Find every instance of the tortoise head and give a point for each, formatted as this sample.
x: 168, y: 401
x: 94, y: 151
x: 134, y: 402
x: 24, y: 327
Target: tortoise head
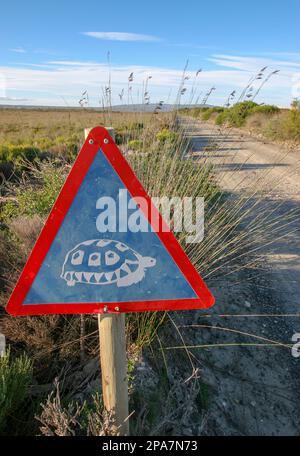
x: 148, y: 262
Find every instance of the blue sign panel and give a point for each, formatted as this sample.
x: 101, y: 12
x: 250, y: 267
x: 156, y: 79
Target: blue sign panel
x: 104, y: 253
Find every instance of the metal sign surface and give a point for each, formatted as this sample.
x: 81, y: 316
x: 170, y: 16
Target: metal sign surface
x: 76, y: 267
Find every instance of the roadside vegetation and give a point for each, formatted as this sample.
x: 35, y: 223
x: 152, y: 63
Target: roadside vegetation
x: 15, y: 378
x: 267, y: 120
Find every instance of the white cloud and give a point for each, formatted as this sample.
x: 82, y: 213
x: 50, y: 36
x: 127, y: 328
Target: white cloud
x: 280, y: 87
x: 73, y: 63
x: 121, y: 36
x: 295, y: 55
x: 53, y: 81
x: 19, y: 50
x: 2, y: 86
x: 254, y: 63
x: 14, y: 99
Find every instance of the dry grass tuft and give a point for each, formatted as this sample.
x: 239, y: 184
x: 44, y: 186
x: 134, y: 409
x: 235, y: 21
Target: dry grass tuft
x: 57, y: 420
x: 27, y: 230
x: 72, y: 418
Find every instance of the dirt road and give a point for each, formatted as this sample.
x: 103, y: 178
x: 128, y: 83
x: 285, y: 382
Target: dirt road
x: 229, y: 370
x: 254, y: 390
x: 242, y: 162
x: 249, y: 157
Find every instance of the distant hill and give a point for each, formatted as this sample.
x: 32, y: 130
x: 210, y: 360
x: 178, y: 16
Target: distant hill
x: 151, y: 107
x: 116, y: 108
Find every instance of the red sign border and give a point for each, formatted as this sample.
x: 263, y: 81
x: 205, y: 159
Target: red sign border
x: 99, y: 138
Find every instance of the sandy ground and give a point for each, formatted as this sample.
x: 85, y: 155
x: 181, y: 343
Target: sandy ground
x: 252, y: 390
x: 242, y: 160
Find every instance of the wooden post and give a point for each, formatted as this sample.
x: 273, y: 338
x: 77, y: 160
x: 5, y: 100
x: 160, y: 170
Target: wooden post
x: 114, y: 370
x: 114, y: 362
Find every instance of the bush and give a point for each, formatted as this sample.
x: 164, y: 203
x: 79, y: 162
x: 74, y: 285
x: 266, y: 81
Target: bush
x: 221, y: 118
x: 33, y: 200
x: 166, y: 135
x: 265, y: 109
x: 122, y: 136
x: 128, y: 133
x: 15, y: 377
x: 135, y: 144
x: 17, y: 153
x: 194, y: 112
x: 285, y: 127
x: 136, y: 126
x: 73, y: 418
x: 291, y: 125
x: 295, y: 104
x: 208, y: 112
x: 238, y: 113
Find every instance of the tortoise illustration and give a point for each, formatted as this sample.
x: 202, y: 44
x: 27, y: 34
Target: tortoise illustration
x: 104, y: 262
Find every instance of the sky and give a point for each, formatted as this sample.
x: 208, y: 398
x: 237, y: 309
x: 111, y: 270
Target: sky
x: 52, y: 52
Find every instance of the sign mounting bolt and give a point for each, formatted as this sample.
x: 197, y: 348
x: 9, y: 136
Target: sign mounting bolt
x: 117, y: 309
x: 91, y: 141
x: 106, y: 141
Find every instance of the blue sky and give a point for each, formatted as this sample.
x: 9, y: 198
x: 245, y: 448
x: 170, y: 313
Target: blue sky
x: 50, y: 52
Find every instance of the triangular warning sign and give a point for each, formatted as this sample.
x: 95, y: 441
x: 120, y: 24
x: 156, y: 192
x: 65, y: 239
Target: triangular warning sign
x: 77, y: 267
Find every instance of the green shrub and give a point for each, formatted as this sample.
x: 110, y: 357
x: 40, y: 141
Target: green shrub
x: 15, y: 377
x: 285, y: 127
x: 64, y: 146
x: 136, y: 126
x: 194, y: 112
x: 122, y: 136
x: 119, y: 137
x: 166, y: 135
x: 208, y: 112
x: 291, y: 125
x: 128, y: 132
x: 16, y: 153
x: 135, y: 144
x: 237, y: 114
x: 295, y: 104
x: 206, y: 115
x: 43, y: 143
x: 265, y: 109
x: 33, y: 200
x: 221, y: 118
